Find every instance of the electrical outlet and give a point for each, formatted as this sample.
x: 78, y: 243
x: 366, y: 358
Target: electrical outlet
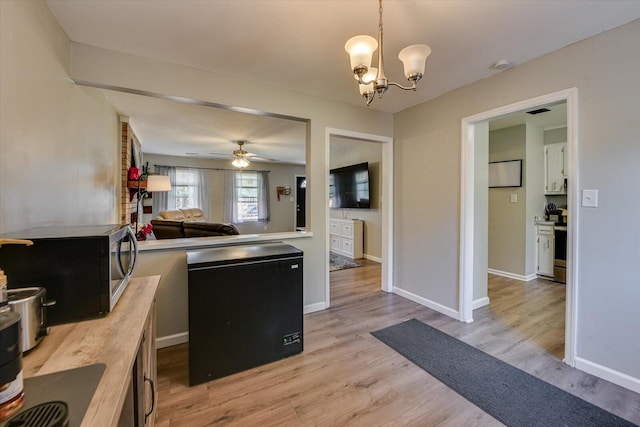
x: 514, y: 198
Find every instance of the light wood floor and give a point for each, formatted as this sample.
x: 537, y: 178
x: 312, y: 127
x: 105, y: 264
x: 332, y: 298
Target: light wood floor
x: 345, y: 376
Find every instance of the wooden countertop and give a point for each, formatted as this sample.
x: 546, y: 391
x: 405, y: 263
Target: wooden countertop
x: 113, y: 340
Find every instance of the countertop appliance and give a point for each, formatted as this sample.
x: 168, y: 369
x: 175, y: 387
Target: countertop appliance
x: 245, y: 308
x: 84, y: 268
x: 31, y: 305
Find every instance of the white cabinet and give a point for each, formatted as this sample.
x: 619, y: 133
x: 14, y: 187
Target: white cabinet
x: 545, y: 239
x: 346, y: 237
x: 555, y: 168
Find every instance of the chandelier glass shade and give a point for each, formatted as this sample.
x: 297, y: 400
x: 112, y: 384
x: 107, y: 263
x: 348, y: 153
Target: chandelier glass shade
x: 373, y: 80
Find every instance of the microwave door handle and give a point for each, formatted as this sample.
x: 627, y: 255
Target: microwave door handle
x: 119, y: 259
x: 134, y: 240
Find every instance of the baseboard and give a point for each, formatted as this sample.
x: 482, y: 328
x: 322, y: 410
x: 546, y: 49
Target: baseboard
x: 480, y: 302
x: 623, y: 380
x: 373, y: 258
x: 426, y: 302
x: 311, y: 308
x: 169, y: 340
x: 520, y: 277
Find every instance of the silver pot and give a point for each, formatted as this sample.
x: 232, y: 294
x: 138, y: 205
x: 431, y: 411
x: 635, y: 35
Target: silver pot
x: 31, y: 305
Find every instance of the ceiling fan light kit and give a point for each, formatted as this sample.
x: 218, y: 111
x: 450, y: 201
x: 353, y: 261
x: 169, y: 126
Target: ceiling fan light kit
x: 240, y: 159
x: 372, y: 80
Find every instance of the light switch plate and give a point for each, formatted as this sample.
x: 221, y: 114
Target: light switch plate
x: 590, y: 198
x: 514, y: 198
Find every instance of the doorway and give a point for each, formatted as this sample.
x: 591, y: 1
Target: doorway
x: 301, y: 202
x: 386, y: 203
x: 473, y: 228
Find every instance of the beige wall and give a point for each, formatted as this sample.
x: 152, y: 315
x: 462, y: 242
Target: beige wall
x: 534, y: 180
x: 507, y: 231
x: 427, y: 145
x: 59, y: 151
x: 282, y: 211
x: 112, y: 68
x: 345, y: 152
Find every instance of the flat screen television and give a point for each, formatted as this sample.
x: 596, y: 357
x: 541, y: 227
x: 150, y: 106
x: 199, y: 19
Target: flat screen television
x: 349, y: 187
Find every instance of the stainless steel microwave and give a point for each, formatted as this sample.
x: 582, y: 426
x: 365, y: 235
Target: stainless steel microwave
x: 84, y: 268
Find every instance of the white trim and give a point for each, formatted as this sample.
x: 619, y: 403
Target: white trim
x: 373, y: 258
x: 480, y: 302
x: 386, y: 203
x: 171, y: 340
x: 623, y: 380
x: 509, y: 275
x: 426, y: 302
x: 312, y: 308
x: 465, y: 289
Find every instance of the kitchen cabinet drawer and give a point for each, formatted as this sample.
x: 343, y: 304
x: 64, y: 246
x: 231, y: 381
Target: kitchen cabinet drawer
x: 545, y: 229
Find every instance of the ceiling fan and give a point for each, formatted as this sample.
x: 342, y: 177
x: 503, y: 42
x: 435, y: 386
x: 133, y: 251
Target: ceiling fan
x: 242, y: 158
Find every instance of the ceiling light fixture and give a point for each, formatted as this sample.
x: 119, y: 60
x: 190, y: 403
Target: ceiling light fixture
x: 240, y: 159
x: 372, y: 80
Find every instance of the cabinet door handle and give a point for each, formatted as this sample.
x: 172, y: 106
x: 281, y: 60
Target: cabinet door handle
x: 153, y: 398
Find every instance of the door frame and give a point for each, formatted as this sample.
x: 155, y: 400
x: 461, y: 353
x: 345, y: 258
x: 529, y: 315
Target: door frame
x: 466, y: 276
x: 386, y: 203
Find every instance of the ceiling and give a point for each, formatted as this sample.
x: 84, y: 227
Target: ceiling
x: 182, y: 129
x: 299, y: 44
x: 554, y: 118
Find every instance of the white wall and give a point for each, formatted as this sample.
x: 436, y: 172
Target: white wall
x: 345, y: 152
x: 282, y: 211
x: 112, y: 68
x: 605, y: 70
x: 59, y: 151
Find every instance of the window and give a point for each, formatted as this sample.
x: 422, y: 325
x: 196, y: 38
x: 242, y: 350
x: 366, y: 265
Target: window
x: 190, y: 188
x: 186, y: 189
x: 246, y: 196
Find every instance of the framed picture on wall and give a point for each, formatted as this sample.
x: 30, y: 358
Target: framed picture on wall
x: 505, y: 174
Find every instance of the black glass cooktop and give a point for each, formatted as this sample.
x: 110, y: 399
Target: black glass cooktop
x: 73, y: 386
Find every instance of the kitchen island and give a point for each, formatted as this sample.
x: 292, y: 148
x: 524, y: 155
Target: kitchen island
x: 114, y: 340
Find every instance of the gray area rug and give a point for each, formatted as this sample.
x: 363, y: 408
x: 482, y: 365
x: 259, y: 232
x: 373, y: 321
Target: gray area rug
x: 508, y: 394
x: 338, y: 262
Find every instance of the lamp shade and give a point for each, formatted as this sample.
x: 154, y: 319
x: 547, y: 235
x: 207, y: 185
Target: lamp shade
x: 158, y: 183
x: 414, y: 59
x: 360, y: 50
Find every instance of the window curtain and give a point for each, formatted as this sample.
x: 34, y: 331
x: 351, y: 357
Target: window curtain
x: 263, y: 196
x: 202, y: 188
x: 230, y: 197
x: 165, y: 200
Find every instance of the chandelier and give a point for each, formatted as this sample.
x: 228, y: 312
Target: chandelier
x: 240, y: 159
x: 372, y: 80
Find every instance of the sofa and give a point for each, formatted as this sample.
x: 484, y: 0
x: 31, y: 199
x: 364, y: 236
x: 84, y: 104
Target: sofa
x: 179, y: 223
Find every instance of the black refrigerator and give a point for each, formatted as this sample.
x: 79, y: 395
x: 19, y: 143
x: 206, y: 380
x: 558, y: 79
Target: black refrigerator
x: 245, y: 308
